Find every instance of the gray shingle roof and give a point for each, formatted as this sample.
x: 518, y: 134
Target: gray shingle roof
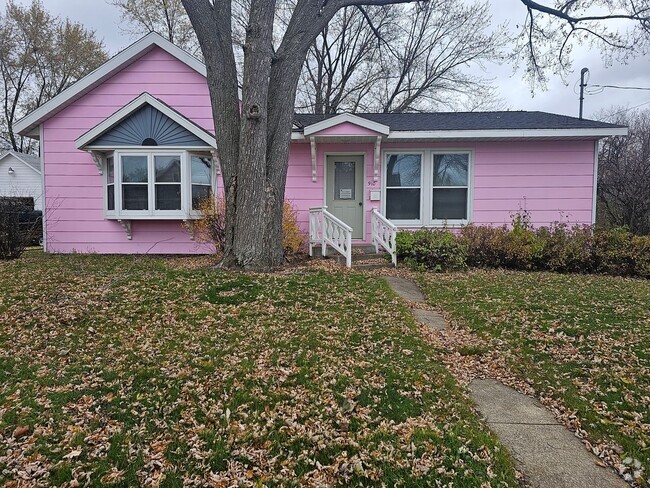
x: 28, y: 159
x: 468, y: 121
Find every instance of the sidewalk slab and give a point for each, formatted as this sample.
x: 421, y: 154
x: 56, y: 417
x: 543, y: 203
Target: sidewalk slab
x: 407, y: 289
x: 548, y: 454
x: 433, y: 320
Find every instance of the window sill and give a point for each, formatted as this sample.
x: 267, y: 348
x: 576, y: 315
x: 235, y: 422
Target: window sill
x: 152, y: 217
x: 431, y: 225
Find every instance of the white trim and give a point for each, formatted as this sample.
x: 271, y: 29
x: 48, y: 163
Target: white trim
x: 16, y: 154
x: 507, y: 133
x: 492, y: 134
x: 595, y: 192
x: 363, y: 186
x: 145, y: 98
x: 41, y: 153
x: 342, y: 118
x: 113, y: 65
x: 312, y: 145
x: 377, y: 160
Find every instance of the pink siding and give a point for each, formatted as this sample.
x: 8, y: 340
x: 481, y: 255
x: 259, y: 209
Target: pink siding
x: 74, y: 188
x: 346, y: 129
x: 553, y: 180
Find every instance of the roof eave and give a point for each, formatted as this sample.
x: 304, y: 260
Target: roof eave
x: 25, y: 126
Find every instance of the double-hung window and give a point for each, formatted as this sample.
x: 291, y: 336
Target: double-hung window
x: 430, y: 188
x: 450, y: 187
x: 404, y: 187
x: 201, y: 169
x: 167, y: 184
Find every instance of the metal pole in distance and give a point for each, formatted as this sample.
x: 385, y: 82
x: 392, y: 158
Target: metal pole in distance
x: 583, y: 72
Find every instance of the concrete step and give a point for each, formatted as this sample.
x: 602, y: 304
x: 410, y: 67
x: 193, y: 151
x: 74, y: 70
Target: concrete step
x: 356, y: 249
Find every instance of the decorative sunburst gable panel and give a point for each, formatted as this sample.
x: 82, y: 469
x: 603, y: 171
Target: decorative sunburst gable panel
x: 148, y: 127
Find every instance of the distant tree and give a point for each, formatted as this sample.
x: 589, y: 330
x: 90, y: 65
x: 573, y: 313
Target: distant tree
x: 624, y: 172
x: 402, y: 58
x: 40, y: 56
x: 618, y: 29
x: 165, y: 17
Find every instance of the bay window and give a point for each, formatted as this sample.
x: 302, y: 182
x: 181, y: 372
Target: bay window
x: 427, y: 187
x: 110, y: 184
x: 201, y: 170
x: 167, y: 184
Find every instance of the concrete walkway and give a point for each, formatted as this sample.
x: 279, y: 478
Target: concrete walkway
x: 548, y: 454
x: 411, y: 292
x: 407, y: 289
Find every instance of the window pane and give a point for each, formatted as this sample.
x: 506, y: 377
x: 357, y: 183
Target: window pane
x: 449, y: 203
x: 168, y: 169
x: 110, y: 194
x: 199, y: 193
x: 135, y: 197
x: 450, y: 169
x: 403, y: 204
x: 201, y: 170
x: 110, y: 170
x: 403, y: 170
x: 168, y: 197
x: 134, y: 169
x: 344, y: 180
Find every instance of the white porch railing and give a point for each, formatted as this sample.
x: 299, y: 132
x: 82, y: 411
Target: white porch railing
x: 325, y: 229
x: 384, y: 233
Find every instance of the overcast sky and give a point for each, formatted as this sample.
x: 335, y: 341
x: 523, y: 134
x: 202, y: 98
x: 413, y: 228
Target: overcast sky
x: 559, y: 98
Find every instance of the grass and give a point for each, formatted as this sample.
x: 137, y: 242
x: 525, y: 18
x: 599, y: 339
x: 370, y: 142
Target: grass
x: 163, y: 371
x: 583, y: 341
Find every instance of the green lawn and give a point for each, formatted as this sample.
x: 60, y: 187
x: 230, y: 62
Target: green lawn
x: 158, y: 370
x: 583, y: 341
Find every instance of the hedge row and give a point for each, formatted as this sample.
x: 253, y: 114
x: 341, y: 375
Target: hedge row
x: 559, y: 248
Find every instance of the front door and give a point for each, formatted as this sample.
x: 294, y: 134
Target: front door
x: 344, y: 196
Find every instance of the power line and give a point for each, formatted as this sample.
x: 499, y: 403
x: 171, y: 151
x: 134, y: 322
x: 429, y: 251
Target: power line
x: 623, y: 87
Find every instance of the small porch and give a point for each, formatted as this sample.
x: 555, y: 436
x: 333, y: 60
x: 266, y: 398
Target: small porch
x: 329, y: 234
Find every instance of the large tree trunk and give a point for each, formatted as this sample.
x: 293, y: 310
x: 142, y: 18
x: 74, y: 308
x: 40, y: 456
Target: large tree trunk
x: 253, y: 140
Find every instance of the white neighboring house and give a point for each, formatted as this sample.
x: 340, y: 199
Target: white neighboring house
x: 20, y: 176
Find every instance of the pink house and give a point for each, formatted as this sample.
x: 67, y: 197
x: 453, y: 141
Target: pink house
x: 129, y: 150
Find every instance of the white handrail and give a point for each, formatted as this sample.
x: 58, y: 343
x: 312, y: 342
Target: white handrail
x: 325, y: 229
x: 384, y: 233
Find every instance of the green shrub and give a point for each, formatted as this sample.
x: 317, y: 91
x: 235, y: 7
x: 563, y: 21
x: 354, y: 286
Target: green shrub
x: 559, y: 248
x: 566, y: 249
x: 641, y: 255
x: 436, y: 250
x: 484, y: 245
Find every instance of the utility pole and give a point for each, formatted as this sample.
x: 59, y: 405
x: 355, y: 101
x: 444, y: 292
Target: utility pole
x: 583, y: 72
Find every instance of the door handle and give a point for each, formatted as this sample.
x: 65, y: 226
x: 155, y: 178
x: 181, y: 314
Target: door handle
x: 361, y: 204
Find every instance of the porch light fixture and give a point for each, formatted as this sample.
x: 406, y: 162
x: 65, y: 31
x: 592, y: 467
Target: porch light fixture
x: 10, y: 171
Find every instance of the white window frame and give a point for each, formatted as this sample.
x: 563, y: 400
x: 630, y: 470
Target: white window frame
x: 384, y: 187
x: 213, y: 179
x: 426, y: 187
x: 107, y: 212
x: 184, y: 213
x: 468, y: 209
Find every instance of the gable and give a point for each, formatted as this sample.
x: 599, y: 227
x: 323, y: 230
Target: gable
x: 27, y: 126
x: 147, y: 126
x: 346, y: 124
x: 145, y: 121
